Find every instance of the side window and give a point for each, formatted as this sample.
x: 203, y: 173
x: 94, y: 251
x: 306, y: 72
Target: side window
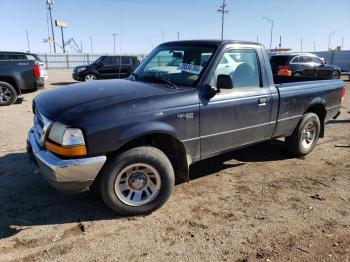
x: 2, y: 57
x: 243, y: 68
x: 126, y: 61
x: 305, y: 59
x: 295, y: 60
x: 316, y: 60
x: 17, y: 57
x: 108, y: 61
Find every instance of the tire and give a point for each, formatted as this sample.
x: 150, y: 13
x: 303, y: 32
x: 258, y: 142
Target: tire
x: 301, y: 142
x: 335, y: 75
x: 138, y: 181
x: 298, y: 74
x: 8, y: 94
x: 90, y: 77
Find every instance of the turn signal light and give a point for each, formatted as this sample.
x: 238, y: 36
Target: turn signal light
x: 66, y: 150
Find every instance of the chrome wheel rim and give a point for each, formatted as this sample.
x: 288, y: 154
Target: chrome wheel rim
x: 137, y: 184
x: 335, y: 76
x: 309, y: 135
x: 5, y: 94
x: 90, y: 77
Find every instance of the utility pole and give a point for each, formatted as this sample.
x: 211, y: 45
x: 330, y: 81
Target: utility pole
x: 92, y: 50
x: 163, y: 36
x: 342, y: 43
x: 280, y: 44
x: 223, y: 12
x: 28, y: 40
x: 64, y: 50
x: 49, y: 6
x: 329, y: 38
x: 257, y: 39
x: 271, y: 23
x: 301, y: 44
x: 114, y: 35
x: 314, y: 46
x: 178, y: 35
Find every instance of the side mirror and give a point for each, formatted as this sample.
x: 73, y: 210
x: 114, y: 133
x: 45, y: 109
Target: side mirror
x: 209, y: 91
x: 101, y: 64
x: 224, y: 81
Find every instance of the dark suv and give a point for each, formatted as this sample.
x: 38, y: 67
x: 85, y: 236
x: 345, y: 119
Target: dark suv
x: 303, y: 64
x: 107, y: 67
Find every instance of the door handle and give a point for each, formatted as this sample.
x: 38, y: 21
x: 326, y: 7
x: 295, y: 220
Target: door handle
x: 263, y: 101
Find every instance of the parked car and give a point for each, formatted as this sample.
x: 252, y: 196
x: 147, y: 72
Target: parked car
x: 106, y: 67
x: 130, y: 138
x: 303, y: 64
x: 17, y: 76
x: 7, y: 55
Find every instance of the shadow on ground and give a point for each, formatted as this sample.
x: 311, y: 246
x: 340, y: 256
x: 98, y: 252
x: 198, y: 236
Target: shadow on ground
x: 63, y: 83
x: 27, y: 200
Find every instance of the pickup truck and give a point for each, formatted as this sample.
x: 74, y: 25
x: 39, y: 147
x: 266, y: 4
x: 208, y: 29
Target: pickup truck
x: 17, y: 76
x: 131, y: 138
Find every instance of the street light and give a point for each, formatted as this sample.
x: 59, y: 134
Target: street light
x: 330, y: 36
x: 271, y: 22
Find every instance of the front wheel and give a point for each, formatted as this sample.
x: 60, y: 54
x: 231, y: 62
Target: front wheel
x: 305, y: 135
x: 90, y: 77
x: 138, y: 181
x: 335, y: 75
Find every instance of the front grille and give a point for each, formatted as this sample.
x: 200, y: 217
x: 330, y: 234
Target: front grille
x: 41, y: 126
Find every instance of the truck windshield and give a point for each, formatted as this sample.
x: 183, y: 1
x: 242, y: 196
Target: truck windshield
x: 180, y: 65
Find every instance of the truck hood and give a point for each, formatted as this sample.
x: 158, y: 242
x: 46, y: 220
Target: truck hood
x: 77, y: 99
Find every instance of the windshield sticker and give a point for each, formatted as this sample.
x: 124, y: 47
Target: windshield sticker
x: 193, y: 69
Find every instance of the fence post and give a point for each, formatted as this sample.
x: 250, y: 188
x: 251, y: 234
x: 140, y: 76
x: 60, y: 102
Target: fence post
x: 46, y: 62
x: 67, y: 60
x: 87, y: 58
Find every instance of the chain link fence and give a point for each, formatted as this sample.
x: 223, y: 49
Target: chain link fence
x: 69, y: 61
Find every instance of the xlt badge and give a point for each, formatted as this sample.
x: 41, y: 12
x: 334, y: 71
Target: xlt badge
x: 184, y: 116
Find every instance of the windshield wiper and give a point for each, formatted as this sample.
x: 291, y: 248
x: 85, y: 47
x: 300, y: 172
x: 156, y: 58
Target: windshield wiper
x: 161, y: 80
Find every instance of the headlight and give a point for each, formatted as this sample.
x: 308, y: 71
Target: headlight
x: 80, y: 69
x: 69, y: 141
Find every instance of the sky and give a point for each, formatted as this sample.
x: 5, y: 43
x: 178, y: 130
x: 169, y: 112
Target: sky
x: 141, y: 24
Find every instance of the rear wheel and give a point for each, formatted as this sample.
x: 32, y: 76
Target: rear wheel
x: 8, y: 94
x: 305, y: 135
x: 335, y: 75
x: 298, y: 74
x: 137, y: 181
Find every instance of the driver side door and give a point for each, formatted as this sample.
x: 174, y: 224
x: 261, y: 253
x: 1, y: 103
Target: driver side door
x: 239, y: 115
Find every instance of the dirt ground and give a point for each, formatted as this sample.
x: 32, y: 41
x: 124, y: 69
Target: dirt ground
x: 254, y: 204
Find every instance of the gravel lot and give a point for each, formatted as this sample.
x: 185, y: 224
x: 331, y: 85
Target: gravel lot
x: 254, y: 204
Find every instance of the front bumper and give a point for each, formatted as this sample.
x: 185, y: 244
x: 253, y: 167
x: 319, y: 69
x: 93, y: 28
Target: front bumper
x: 77, y: 76
x: 66, y: 175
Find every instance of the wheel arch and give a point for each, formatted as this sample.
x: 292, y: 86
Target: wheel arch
x: 165, y: 141
x: 12, y: 82
x: 318, y: 107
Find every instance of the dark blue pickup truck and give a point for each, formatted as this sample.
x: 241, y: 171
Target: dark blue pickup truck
x: 187, y: 101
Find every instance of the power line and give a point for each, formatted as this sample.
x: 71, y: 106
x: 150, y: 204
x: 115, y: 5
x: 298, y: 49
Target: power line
x: 223, y: 12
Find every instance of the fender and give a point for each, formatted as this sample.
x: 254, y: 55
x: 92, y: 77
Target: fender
x: 181, y: 160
